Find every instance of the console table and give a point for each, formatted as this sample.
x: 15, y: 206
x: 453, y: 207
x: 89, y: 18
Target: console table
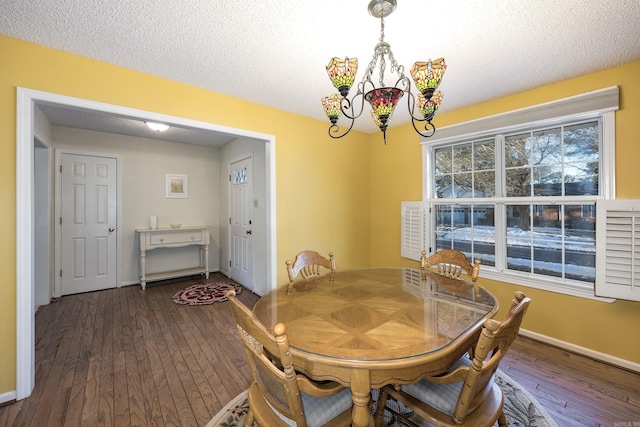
x: 173, y: 238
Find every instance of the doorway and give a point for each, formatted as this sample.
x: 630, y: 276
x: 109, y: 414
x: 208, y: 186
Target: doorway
x: 27, y: 99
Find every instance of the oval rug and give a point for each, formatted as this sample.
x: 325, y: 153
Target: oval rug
x: 205, y: 293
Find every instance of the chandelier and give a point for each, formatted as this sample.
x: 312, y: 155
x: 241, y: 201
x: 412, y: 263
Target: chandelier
x: 383, y: 99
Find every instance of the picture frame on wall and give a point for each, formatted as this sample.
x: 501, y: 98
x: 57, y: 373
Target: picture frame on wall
x: 177, y: 186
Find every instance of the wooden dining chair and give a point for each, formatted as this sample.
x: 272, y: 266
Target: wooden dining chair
x: 467, y: 394
x: 309, y: 264
x: 280, y: 396
x: 451, y: 263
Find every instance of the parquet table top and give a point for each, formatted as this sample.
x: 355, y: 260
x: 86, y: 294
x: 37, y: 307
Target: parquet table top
x: 376, y: 314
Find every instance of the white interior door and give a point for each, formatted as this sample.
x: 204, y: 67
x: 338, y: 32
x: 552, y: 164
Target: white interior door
x: 88, y: 208
x: 241, y: 218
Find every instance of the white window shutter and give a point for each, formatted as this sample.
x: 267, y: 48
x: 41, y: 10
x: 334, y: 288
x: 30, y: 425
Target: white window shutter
x: 618, y: 249
x: 412, y: 230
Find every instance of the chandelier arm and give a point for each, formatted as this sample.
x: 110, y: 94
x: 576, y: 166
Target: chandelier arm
x: 429, y: 128
x: 406, y: 85
x: 348, y: 107
x: 333, y: 130
x: 411, y: 106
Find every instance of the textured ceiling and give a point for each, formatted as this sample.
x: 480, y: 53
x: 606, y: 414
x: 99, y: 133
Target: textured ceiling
x: 132, y: 126
x: 274, y: 52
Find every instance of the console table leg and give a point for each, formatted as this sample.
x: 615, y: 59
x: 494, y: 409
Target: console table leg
x: 206, y: 261
x: 143, y: 266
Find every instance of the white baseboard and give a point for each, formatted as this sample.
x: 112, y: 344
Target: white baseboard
x: 129, y: 283
x: 8, y: 396
x: 583, y: 351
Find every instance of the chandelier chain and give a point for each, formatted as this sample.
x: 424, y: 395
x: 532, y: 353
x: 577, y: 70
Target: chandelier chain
x: 383, y: 65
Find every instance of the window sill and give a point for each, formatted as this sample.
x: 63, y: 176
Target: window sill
x: 551, y: 285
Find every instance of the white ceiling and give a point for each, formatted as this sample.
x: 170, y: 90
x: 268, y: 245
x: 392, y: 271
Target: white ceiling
x: 132, y: 126
x: 274, y: 52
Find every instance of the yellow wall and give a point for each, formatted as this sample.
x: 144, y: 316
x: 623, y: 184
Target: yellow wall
x: 609, y: 328
x: 320, y: 193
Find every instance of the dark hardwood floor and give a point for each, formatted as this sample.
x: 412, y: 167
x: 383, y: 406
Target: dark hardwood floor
x: 575, y: 390
x: 130, y: 357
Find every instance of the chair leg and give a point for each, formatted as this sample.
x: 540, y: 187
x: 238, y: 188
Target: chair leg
x: 249, y: 419
x: 502, y: 420
x: 382, y: 402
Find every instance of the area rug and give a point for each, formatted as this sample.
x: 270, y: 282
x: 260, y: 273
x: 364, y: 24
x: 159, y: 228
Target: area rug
x: 206, y: 293
x: 520, y: 407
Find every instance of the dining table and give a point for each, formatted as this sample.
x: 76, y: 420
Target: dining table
x: 369, y: 327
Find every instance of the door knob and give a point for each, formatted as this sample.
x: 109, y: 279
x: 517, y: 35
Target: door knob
x: 111, y: 229
x: 248, y: 231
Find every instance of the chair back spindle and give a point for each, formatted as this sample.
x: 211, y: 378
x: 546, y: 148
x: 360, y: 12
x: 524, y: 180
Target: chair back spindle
x: 309, y: 264
x: 451, y: 263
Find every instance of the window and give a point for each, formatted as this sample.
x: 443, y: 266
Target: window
x: 550, y: 238
x: 521, y: 198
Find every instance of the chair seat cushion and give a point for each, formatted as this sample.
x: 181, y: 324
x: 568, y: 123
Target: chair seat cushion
x: 443, y: 397
x: 321, y: 410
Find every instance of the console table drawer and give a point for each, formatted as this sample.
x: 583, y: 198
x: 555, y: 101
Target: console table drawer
x: 175, y: 237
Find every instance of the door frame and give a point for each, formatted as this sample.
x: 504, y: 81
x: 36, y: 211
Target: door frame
x: 43, y: 220
x: 57, y: 253
x: 26, y: 99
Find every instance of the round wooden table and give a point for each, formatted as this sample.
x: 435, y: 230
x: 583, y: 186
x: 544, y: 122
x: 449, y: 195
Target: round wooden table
x: 369, y: 327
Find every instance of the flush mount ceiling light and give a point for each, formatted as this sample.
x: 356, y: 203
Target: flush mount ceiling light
x: 158, y: 127
x: 383, y: 99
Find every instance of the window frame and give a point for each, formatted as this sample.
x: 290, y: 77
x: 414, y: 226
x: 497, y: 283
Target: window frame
x: 597, y: 105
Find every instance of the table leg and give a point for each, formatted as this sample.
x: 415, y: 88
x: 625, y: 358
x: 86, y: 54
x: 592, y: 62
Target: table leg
x: 143, y: 266
x: 206, y: 261
x: 361, y: 395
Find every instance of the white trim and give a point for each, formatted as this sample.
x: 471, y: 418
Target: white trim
x: 552, y: 284
x: 270, y: 160
x: 608, y: 155
x: 7, y: 397
x: 594, y: 103
x: 582, y: 351
x: 25, y: 317
x: 56, y: 99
